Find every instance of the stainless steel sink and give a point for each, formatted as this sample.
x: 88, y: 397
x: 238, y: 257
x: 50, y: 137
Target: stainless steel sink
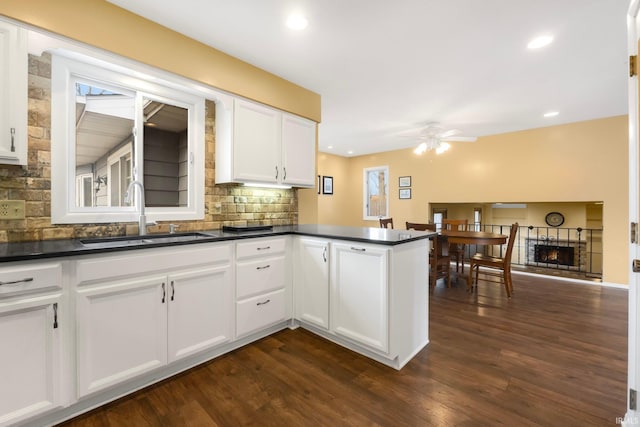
x: 115, y: 242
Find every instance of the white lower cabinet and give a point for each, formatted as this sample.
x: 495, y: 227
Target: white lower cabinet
x: 360, y: 294
x: 30, y: 357
x: 311, y: 278
x: 261, y: 291
x: 122, y: 331
x: 129, y: 326
x: 33, y: 316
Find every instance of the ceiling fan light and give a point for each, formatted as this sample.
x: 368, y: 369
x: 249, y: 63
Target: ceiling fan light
x: 421, y: 148
x: 444, y: 146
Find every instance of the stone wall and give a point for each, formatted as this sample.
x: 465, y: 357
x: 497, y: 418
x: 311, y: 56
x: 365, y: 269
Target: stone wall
x: 225, y: 204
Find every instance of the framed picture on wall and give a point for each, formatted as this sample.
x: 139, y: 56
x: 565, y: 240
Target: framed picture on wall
x: 405, y: 193
x: 404, y: 181
x: 327, y: 185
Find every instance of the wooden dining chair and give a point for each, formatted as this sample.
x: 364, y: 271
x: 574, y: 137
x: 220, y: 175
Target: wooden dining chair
x: 439, y: 261
x: 456, y: 250
x: 386, y: 222
x: 420, y: 226
x: 502, y: 265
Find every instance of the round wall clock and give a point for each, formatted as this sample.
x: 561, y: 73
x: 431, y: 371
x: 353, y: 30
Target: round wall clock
x: 554, y: 219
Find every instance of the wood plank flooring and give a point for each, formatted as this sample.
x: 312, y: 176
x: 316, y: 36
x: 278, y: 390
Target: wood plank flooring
x: 553, y: 355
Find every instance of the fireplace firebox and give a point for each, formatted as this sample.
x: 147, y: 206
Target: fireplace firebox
x: 552, y: 254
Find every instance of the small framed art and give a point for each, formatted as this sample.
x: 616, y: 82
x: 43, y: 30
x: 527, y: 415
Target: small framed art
x: 327, y: 185
x: 405, y: 193
x: 404, y: 181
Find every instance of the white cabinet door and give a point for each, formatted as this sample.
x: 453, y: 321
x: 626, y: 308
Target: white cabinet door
x: 298, y: 151
x: 13, y: 95
x: 256, y: 143
x: 200, y: 307
x: 121, y: 331
x: 29, y: 357
x: 360, y: 302
x: 312, y: 282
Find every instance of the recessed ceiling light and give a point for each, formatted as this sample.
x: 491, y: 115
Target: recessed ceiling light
x: 330, y: 147
x: 539, y: 42
x: 551, y: 114
x: 296, y: 21
x: 350, y: 152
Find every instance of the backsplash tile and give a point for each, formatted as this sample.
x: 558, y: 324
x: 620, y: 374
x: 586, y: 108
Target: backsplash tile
x: 225, y: 204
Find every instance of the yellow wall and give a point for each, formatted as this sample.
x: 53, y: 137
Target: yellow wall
x: 101, y: 24
x: 578, y: 162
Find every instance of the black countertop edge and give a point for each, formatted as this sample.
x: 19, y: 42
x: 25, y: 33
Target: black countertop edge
x: 43, y: 249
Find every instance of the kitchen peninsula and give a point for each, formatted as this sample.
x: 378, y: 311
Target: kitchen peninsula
x: 100, y: 321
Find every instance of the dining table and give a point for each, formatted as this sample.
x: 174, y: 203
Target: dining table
x: 470, y: 237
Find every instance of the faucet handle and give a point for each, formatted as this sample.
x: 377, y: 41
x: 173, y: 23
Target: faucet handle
x: 173, y: 228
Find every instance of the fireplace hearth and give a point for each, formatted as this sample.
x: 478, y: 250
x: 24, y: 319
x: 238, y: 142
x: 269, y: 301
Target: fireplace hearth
x: 553, y: 254
x: 566, y: 254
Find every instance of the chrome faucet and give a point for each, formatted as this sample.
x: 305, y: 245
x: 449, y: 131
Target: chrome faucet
x: 142, y: 218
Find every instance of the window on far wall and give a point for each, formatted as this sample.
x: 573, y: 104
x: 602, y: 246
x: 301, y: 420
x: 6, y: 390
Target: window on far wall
x: 438, y: 215
x: 477, y: 218
x: 376, y: 192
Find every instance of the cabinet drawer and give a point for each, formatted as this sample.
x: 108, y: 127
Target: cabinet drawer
x: 259, y: 312
x: 260, y: 248
x: 20, y: 279
x: 259, y: 276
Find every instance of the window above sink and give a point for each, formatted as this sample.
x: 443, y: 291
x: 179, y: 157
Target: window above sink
x: 111, y: 125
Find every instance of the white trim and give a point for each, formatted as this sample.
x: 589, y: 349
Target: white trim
x: 365, y: 193
x: 572, y: 280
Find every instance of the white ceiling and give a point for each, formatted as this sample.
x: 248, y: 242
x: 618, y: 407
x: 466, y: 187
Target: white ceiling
x: 387, y: 67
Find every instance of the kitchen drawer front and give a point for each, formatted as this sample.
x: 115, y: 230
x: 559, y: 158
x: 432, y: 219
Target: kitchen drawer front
x: 259, y: 312
x: 260, y: 248
x: 150, y: 261
x: 28, y: 278
x: 259, y: 276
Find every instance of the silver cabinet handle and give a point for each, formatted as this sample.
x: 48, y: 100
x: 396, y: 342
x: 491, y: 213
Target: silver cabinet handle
x: 358, y: 249
x: 173, y: 290
x: 264, y: 302
x: 324, y: 254
x: 13, y: 137
x: 15, y: 282
x: 263, y: 267
x: 264, y: 248
x: 276, y: 172
x: 284, y: 170
x: 164, y: 292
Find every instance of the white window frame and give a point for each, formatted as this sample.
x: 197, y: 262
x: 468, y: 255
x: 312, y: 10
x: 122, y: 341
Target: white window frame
x: 69, y: 67
x: 365, y: 192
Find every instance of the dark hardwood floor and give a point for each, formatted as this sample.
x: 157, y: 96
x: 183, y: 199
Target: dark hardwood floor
x: 553, y: 355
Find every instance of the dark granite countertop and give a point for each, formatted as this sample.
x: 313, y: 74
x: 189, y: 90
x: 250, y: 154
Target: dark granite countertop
x: 20, y: 251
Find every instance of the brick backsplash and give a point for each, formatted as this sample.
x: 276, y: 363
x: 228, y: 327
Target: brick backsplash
x: 225, y: 204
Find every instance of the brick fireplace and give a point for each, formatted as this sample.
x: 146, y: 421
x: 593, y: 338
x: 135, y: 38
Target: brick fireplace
x: 559, y: 254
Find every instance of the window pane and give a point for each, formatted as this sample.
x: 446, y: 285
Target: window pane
x: 104, y: 124
x: 165, y: 154
x: 376, y: 192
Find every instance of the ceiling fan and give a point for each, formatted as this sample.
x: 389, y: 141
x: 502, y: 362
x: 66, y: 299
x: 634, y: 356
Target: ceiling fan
x: 435, y: 137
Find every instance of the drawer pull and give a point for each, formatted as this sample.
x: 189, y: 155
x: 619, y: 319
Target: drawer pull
x: 264, y: 302
x: 263, y: 267
x: 264, y: 248
x: 15, y: 282
x: 358, y: 249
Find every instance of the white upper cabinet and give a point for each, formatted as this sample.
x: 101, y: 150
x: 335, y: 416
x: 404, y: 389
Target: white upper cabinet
x: 298, y: 151
x: 259, y: 144
x: 13, y: 95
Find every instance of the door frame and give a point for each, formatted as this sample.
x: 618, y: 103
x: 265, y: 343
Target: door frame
x: 633, y: 379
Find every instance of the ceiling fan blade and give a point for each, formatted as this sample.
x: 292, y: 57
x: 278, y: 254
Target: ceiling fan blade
x: 448, y: 133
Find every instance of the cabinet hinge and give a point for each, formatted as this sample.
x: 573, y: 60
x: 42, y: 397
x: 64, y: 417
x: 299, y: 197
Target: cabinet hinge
x: 633, y: 65
x: 633, y: 402
x: 55, y: 315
